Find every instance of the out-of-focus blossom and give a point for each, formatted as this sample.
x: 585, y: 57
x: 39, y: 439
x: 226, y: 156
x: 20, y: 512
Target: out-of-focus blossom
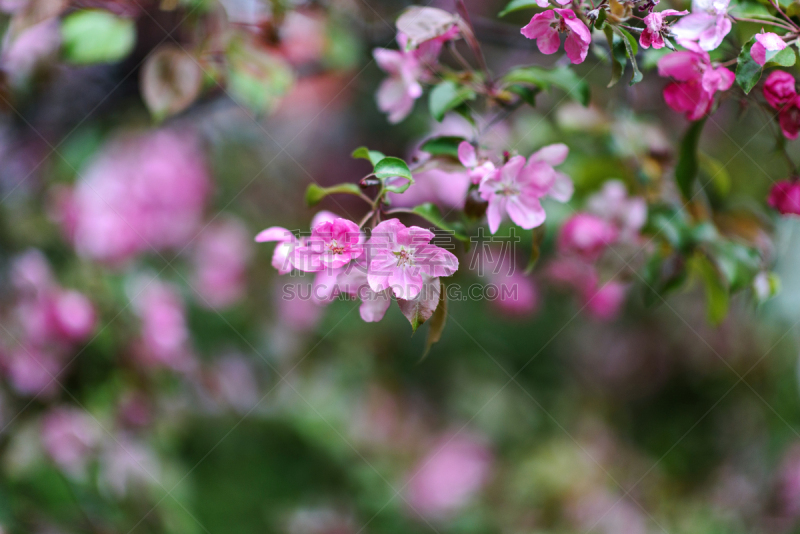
x: 695, y: 82
x: 33, y: 46
x: 785, y: 197
x: 517, y: 294
x: 452, y: 473
x: 401, y: 257
x: 586, y: 235
x: 232, y: 383
x: 164, y: 338
x: 220, y: 263
x: 604, y: 301
x: 127, y: 465
x: 406, y: 69
x: 33, y: 371
x: 302, y: 37
x: 655, y: 26
x: 613, y: 204
x: 296, y: 308
x: 70, y: 436
x: 766, y: 42
x: 781, y: 94
x: 516, y: 188
x: 601, y: 300
x: 142, y: 193
x: 547, y: 26
x: 706, y: 26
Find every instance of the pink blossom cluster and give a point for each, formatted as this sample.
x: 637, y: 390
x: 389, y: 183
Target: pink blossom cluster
x: 695, y: 81
x: 395, y: 260
x: 220, y: 259
x: 142, y: 193
x: 516, y: 188
x: 546, y: 29
x: 45, y: 325
x: 612, y: 218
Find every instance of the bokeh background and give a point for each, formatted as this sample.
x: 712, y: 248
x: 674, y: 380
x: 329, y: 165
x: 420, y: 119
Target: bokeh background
x: 155, y: 380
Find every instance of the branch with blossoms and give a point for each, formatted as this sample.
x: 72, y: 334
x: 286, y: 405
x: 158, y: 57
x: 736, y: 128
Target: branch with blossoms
x: 659, y: 240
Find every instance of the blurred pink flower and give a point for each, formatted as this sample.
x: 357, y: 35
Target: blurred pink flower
x: 32, y: 47
x: 33, y: 371
x: 295, y: 307
x: 406, y: 68
x: 781, y: 94
x: 232, y: 383
x: 695, y: 82
x: 221, y: 255
x: 449, y: 476
x: 302, y: 36
x: 602, y: 301
x: 627, y: 213
x: 127, y: 464
x: 70, y: 436
x: 586, y: 235
x: 547, y: 26
x: 705, y: 27
x: 785, y: 197
x: 517, y: 294
x: 73, y: 315
x: 516, y: 188
x: 142, y: 193
x: 655, y: 27
x: 766, y: 42
x: 399, y: 258
x: 164, y: 337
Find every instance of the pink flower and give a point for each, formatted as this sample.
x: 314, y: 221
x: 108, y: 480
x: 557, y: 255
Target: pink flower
x: 33, y: 372
x: 287, y: 242
x: 516, y: 188
x: 695, y: 82
x: 785, y: 197
x: 586, y: 235
x: 627, y: 214
x: 164, y: 339
x: 353, y: 281
x: 73, y: 315
x: 516, y: 293
x: 545, y: 28
x: 449, y: 476
x: 69, y: 437
x: 126, y: 465
x: 766, y: 42
x: 476, y: 170
x: 705, y: 27
x: 220, y: 258
x: 143, y: 193
x: 332, y: 244
x: 655, y: 26
x: 779, y: 89
x: 296, y: 309
x: 406, y: 68
x: 400, y: 257
x: 604, y: 301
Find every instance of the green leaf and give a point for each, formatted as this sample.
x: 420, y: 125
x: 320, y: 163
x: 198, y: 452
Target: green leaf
x: 437, y: 322
x: 431, y: 213
x: 364, y: 153
x: 537, y: 238
x: 95, y: 36
x: 631, y: 49
x: 749, y: 10
x: 717, y: 296
x: 562, y: 77
x: 447, y: 96
x: 527, y: 94
x: 717, y: 172
x: 616, y: 65
x: 781, y: 58
x: 662, y: 275
x: 687, y: 167
x: 748, y: 72
x: 315, y: 193
x: 389, y: 168
x: 443, y: 146
x: 516, y: 5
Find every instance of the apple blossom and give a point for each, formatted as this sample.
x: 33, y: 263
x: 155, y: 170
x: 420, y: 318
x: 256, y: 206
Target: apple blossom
x: 400, y: 257
x: 706, y: 26
x: 332, y: 244
x: 586, y: 235
x: 612, y: 203
x: 477, y: 170
x: 781, y: 94
x: 353, y: 281
x: 695, y: 82
x: 545, y: 28
x: 517, y: 188
x: 766, y: 42
x: 785, y: 197
x: 655, y: 28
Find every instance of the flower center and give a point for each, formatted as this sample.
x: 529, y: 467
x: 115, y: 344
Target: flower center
x: 507, y: 190
x: 335, y: 247
x: 404, y: 257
